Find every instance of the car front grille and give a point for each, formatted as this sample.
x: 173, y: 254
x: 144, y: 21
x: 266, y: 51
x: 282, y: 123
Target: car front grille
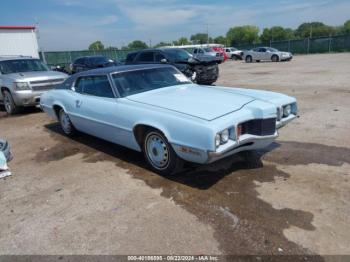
x: 259, y: 127
x: 41, y: 85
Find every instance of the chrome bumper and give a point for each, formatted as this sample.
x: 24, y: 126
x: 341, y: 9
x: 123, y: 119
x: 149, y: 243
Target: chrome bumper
x: 26, y: 97
x: 246, y: 142
x: 285, y: 121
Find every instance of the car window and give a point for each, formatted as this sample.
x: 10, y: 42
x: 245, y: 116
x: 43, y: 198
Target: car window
x: 145, y: 57
x: 158, y: 57
x: 200, y: 51
x: 79, y: 61
x: 22, y: 65
x: 195, y: 51
x: 262, y: 50
x: 95, y: 86
x: 256, y: 49
x: 131, y: 56
x: 98, y: 60
x: 138, y: 81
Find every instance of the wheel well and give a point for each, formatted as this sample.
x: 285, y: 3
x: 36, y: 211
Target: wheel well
x: 3, y: 88
x: 140, y: 132
x: 57, y: 109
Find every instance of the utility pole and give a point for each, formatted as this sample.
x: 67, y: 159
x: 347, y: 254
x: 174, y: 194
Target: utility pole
x: 150, y: 43
x: 207, y: 34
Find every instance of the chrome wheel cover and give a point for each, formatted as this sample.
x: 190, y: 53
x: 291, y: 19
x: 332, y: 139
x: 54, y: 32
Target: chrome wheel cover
x: 65, y: 122
x: 7, y: 103
x: 157, y: 151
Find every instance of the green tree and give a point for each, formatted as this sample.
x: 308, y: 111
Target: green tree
x: 314, y: 29
x: 183, y: 41
x: 276, y: 33
x: 97, y: 45
x: 246, y: 34
x: 199, y: 38
x: 220, y: 40
x: 346, y: 27
x: 137, y: 44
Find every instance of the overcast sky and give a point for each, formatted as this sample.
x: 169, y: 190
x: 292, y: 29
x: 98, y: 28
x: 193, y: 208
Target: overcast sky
x: 74, y: 24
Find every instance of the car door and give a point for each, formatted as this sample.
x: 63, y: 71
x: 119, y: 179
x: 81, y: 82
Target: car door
x: 263, y: 54
x: 96, y: 108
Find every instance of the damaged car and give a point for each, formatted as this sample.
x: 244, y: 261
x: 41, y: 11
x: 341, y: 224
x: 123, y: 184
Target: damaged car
x: 202, y: 70
x: 157, y: 110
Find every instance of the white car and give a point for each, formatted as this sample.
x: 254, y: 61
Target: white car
x: 234, y: 53
x: 266, y: 54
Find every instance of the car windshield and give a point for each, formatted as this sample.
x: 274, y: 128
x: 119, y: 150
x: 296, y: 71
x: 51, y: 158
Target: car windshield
x: 22, y: 65
x: 272, y: 49
x: 178, y: 55
x: 208, y: 50
x: 139, y: 81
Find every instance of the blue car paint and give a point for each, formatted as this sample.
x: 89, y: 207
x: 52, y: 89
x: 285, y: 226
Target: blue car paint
x: 189, y: 115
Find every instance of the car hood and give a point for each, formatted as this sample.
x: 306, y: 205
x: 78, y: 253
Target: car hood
x: 204, y: 102
x: 35, y: 76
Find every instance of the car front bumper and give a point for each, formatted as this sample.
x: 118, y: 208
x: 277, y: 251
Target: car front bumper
x: 249, y: 142
x: 244, y: 143
x: 26, y: 97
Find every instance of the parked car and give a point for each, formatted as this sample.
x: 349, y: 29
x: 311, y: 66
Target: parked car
x: 266, y: 54
x: 202, y: 70
x: 221, y: 50
x: 234, y: 53
x: 23, y: 80
x: 91, y: 62
x: 159, y: 111
x: 208, y: 51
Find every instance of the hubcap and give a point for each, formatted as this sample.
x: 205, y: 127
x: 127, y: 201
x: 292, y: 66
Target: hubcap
x: 65, y: 122
x: 157, y: 151
x: 7, y: 104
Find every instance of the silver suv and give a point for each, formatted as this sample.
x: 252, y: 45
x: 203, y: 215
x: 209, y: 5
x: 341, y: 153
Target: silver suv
x: 23, y: 80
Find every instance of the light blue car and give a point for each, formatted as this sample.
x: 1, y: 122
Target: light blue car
x: 157, y: 110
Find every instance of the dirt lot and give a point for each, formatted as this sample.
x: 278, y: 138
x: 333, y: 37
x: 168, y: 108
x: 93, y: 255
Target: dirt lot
x: 87, y: 196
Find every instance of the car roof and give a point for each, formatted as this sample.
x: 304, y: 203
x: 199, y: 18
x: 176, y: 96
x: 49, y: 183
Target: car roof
x: 120, y: 69
x: 6, y: 58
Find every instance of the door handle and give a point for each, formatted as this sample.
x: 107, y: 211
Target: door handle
x: 78, y: 103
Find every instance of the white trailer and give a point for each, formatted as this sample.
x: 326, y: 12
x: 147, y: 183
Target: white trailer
x: 18, y: 41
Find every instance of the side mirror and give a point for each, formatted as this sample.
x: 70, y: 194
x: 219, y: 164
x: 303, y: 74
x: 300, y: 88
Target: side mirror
x: 163, y: 61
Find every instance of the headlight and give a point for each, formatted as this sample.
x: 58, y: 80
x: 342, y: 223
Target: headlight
x: 217, y: 140
x: 21, y: 86
x: 287, y: 110
x: 225, y: 135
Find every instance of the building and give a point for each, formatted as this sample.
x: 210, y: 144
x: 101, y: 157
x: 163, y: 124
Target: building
x: 18, y: 40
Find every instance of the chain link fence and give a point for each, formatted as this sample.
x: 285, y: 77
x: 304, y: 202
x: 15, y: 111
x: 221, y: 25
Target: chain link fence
x: 64, y: 58
x: 340, y: 43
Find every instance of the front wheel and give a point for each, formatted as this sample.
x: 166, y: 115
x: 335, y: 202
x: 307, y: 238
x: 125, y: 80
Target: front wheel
x: 248, y: 59
x: 159, y: 154
x: 10, y: 106
x: 66, y: 124
x: 274, y: 58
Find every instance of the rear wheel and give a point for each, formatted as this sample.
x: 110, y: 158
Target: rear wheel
x: 159, y: 154
x: 249, y: 59
x: 66, y: 124
x: 9, y: 104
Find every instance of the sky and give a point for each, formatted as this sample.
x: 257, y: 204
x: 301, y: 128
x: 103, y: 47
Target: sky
x: 74, y: 24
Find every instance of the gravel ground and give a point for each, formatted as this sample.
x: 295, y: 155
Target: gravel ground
x: 88, y: 196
